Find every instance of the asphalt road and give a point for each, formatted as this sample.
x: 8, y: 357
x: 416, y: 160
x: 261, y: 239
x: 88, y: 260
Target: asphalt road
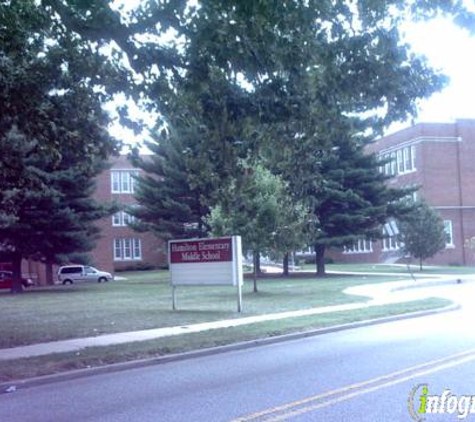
x: 364, y: 374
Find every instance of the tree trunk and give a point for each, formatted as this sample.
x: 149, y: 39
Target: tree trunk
x: 320, y: 260
x: 49, y: 273
x: 420, y: 264
x: 17, y: 286
x: 257, y: 262
x: 285, y: 265
x: 257, y: 269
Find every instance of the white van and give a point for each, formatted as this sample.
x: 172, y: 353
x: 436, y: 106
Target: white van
x: 72, y: 273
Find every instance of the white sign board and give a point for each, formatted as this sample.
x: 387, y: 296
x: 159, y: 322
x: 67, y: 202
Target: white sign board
x: 201, y: 262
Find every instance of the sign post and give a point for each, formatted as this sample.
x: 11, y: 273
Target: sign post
x: 174, y: 298
x: 201, y: 262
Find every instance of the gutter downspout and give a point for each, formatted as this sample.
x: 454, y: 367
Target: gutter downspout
x: 460, y: 192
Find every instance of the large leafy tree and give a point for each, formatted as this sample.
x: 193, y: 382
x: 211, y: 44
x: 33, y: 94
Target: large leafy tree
x: 247, y: 78
x: 422, y: 232
x: 332, y: 58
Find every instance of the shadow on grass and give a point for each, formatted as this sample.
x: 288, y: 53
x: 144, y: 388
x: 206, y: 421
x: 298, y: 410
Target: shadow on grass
x: 193, y: 312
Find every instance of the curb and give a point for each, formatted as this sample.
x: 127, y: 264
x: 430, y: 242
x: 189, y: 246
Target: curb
x: 431, y: 283
x: 12, y: 386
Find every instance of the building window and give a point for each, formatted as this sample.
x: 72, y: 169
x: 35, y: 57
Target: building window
x: 137, y: 248
x: 449, y: 243
x: 393, y: 164
x: 359, y: 246
x: 127, y: 249
x: 413, y: 157
x: 116, y: 219
x: 411, y: 197
x: 387, y: 166
x: 115, y: 181
x: 117, y: 249
x: 122, y: 219
x: 407, y: 159
x: 401, y: 161
x: 123, y: 181
x: 391, y: 241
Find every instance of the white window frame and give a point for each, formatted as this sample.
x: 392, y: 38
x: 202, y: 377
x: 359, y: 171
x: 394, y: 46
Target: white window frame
x: 448, y: 229
x: 122, y: 219
x: 360, y: 246
x: 393, y: 164
x: 413, y: 157
x: 387, y: 166
x: 127, y: 249
x: 390, y: 243
x: 126, y: 218
x: 117, y: 249
x: 407, y: 159
x: 117, y: 219
x: 127, y: 252
x: 115, y: 181
x: 137, y: 249
x: 123, y: 181
x: 132, y: 175
x: 400, y: 161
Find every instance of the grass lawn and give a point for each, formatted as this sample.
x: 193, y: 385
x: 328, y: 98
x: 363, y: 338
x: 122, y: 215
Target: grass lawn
x: 144, y: 301
x: 98, y: 356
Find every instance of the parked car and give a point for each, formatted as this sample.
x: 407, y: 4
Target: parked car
x: 73, y: 273
x: 6, y: 280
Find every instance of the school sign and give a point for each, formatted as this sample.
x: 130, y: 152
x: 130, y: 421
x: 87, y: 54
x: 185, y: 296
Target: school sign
x: 203, y: 262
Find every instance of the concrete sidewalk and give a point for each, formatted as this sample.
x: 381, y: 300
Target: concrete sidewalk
x: 380, y: 294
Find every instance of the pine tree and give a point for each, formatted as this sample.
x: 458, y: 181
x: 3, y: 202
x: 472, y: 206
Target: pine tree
x: 72, y: 232
x: 169, y: 204
x: 47, y: 210
x: 353, y: 200
x: 52, y: 128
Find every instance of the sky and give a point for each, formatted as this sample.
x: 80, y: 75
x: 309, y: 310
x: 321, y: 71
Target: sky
x: 447, y: 48
x: 451, y: 49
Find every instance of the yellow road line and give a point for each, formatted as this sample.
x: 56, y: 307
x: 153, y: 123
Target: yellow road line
x: 387, y: 381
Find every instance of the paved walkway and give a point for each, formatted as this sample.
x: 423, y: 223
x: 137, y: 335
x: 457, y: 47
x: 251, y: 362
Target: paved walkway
x: 380, y: 294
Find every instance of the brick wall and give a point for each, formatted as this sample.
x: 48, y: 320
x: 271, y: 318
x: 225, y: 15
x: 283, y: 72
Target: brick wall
x: 153, y: 250
x: 445, y: 171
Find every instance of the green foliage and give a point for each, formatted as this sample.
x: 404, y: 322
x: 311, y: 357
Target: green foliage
x: 52, y: 136
x: 260, y: 210
x: 297, y: 86
x: 246, y: 75
x: 47, y: 206
x: 47, y: 90
x: 354, y: 200
x: 171, y: 196
x: 422, y: 232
